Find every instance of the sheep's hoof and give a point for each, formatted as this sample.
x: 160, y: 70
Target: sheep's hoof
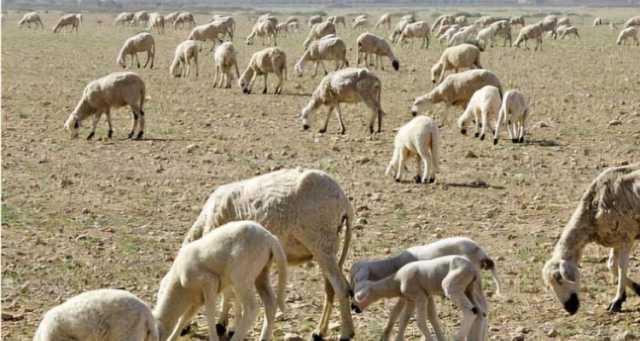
x: 316, y: 337
x: 476, y: 135
x: 90, y: 135
x: 305, y: 127
x: 414, y: 113
x: 397, y: 179
x: 230, y: 334
x: 355, y: 308
x: 139, y: 137
x: 463, y: 131
x: 482, y: 137
x: 130, y: 135
x: 514, y: 140
x: 110, y: 133
x: 495, y: 141
x: 264, y: 91
x: 521, y: 140
x: 616, y: 305
x: 322, y: 131
x: 220, y: 329
x: 417, y: 179
x: 474, y: 310
x: 432, y: 180
x: 186, y: 330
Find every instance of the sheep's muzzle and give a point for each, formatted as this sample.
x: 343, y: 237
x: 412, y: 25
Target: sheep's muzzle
x: 572, y: 304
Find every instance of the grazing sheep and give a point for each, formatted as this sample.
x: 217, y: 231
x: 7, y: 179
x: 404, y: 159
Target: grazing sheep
x: 171, y: 17
x: 629, y: 32
x: 316, y: 19
x: 608, y: 214
x: 513, y: 112
x: 563, y: 21
x: 418, y: 29
x: 613, y: 26
x: 282, y: 29
x: 269, y: 60
x: 463, y: 35
x: 99, y: 315
x: 31, y: 18
x: 633, y: 21
x: 224, y: 59
x: 293, y: 27
x: 124, y: 18
x: 304, y: 209
x: 112, y: 91
x: 338, y: 19
x: 450, y: 31
x: 228, y: 22
x: 461, y: 20
x: 443, y: 20
x: 456, y: 58
x: 79, y: 16
x: 533, y: 31
x: 67, y: 20
x: 235, y: 255
x: 156, y: 21
x: 488, y: 20
x: 549, y: 24
x: 416, y: 283
x: 327, y: 48
x: 419, y: 138
x: 210, y: 31
x: 488, y: 34
x: 371, y: 44
x: 598, y: 21
x: 385, y: 19
x: 484, y: 106
x: 360, y: 24
x: 348, y: 85
x: 318, y: 31
x: 457, y: 89
x: 519, y: 20
x: 141, y: 18
x: 564, y: 31
x: 291, y: 19
x: 184, y: 18
x: 141, y: 42
x: 266, y: 30
x: 186, y: 52
x: 397, y: 30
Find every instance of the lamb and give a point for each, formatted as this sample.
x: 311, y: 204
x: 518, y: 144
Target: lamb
x: 519, y: 20
x: 123, y: 19
x: 141, y: 17
x: 629, y: 32
x: 564, y: 31
x: 269, y: 60
x: 420, y: 138
x: 304, y: 209
x: 513, y: 112
x: 454, y: 277
x: 264, y: 29
x: 533, y: 31
x: 608, y: 214
x: 327, y: 48
x: 186, y: 52
x: 350, y: 85
x: 112, y: 91
x: 99, y: 315
x: 67, y: 20
x: 184, y: 18
x: 156, y: 21
x: 419, y: 29
x: 338, y: 19
x: 397, y: 30
x: 224, y: 59
x: 316, y: 19
x: 633, y: 21
x: 210, y: 31
x: 141, y: 42
x: 484, y: 105
x: 31, y: 18
x: 385, y: 19
x: 457, y: 89
x: 456, y: 58
x: 371, y: 44
x: 318, y: 31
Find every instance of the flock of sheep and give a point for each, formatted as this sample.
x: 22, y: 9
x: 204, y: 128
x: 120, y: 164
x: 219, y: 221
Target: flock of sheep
x: 292, y: 216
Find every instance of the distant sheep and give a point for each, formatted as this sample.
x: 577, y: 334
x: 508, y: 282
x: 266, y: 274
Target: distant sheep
x: 67, y: 20
x: 598, y: 21
x: 397, y: 30
x: 418, y: 29
x: 171, y: 17
x: 211, y: 31
x: 316, y: 19
x: 369, y: 44
x: 228, y: 22
x: 266, y: 30
x: 225, y: 59
x: 141, y: 42
x: 360, y: 24
x: 519, y: 20
x: 514, y: 111
x: 31, y: 18
x: 262, y: 63
x: 328, y: 48
x: 548, y: 24
x: 185, y: 53
x: 318, y: 31
x: 385, y: 19
x: 463, y: 35
x: 483, y: 106
x: 633, y: 21
x: 337, y: 19
x: 156, y: 22
x: 184, y: 19
x: 628, y: 33
x: 565, y: 31
x: 533, y: 31
x: 124, y: 18
x: 141, y: 18
x: 456, y: 58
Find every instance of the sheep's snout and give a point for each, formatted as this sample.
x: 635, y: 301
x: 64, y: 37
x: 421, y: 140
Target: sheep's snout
x: 463, y: 131
x: 572, y: 304
x: 305, y: 127
x: 356, y: 309
x: 396, y: 65
x: 474, y: 310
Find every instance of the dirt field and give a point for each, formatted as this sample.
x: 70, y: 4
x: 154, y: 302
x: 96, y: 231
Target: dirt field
x: 79, y: 215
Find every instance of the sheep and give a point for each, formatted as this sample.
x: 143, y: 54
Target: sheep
x: 600, y: 21
x: 316, y: 19
x: 123, y: 19
x: 291, y: 19
x: 564, y: 31
x: 608, y: 214
x: 419, y: 138
x: 210, y: 31
x: 31, y: 18
x: 533, y: 31
x: 457, y: 89
x: 293, y: 26
x: 282, y: 29
x: 224, y: 59
x: 613, y: 26
x: 235, y: 255
x: 463, y: 35
x: 371, y: 44
x: 549, y: 24
x: 418, y: 29
x: 456, y: 58
x: 489, y: 33
x: 67, y: 20
x: 99, y: 315
x: 350, y: 85
x: 112, y: 91
x: 141, y: 42
x: 629, y: 32
x: 443, y: 20
x: 302, y: 208
x: 513, y: 112
x: 454, y: 277
x: 318, y: 31
x: 79, y: 16
x: 563, y: 21
x: 185, y: 53
x: 264, y: 29
x: 448, y: 33
x: 360, y: 17
x: 228, y: 22
x: 269, y: 60
x: 397, y: 30
x: 483, y: 105
x: 633, y: 21
x: 339, y: 19
x: 171, y: 17
x: 488, y: 20
x: 519, y: 20
x: 184, y: 18
x: 461, y: 20
x: 156, y: 21
x: 385, y: 19
x: 327, y: 48
x: 141, y: 17
x: 360, y: 24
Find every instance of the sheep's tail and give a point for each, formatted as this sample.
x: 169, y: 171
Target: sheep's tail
x: 280, y: 257
x: 143, y: 93
x: 120, y: 59
x: 346, y: 221
x: 435, y: 147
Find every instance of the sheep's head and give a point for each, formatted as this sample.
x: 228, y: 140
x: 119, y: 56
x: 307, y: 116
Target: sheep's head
x: 244, y: 82
x: 563, y: 277
x: 299, y: 67
x: 418, y: 103
x: 249, y: 40
x: 436, y: 71
x: 72, y: 125
x: 362, y: 298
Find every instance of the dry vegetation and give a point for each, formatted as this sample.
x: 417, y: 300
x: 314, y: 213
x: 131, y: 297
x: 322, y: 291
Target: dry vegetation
x: 79, y: 215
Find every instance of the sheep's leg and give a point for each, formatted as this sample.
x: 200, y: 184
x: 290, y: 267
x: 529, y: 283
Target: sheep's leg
x: 432, y: 315
x: 326, y: 121
x: 268, y: 299
x: 108, y: 114
x: 140, y: 124
x: 401, y: 158
x: 418, y: 177
x: 148, y: 59
x: 210, y: 293
x: 137, y: 60
x: 407, y: 312
x: 264, y: 91
x: 499, y: 121
x: 327, y: 308
x: 423, y: 156
x: 215, y: 76
x: 94, y: 124
x: 421, y: 318
x: 393, y: 161
x: 339, y: 115
x: 483, y: 116
x: 469, y: 311
x: 135, y: 124
x: 523, y: 129
x: 323, y: 67
x: 622, y: 256
x: 393, y: 316
x: 280, y: 84
x: 376, y: 112
x: 246, y: 295
x: 477, y: 123
x: 315, y: 69
x: 184, y: 320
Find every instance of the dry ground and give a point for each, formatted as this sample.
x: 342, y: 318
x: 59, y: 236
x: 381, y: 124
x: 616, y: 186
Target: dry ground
x: 79, y: 215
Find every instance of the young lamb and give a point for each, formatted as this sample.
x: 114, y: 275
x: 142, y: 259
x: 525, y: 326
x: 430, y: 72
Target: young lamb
x: 141, y: 18
x: 141, y: 42
x: 633, y: 21
x: 266, y: 30
x: 99, y: 315
x: 607, y: 214
x: 397, y: 30
x: 318, y: 31
x: 304, y: 209
x: 210, y: 31
x: 385, y: 19
x: 371, y: 44
x: 67, y: 20
x: 564, y: 31
x: 186, y: 52
x: 112, y: 91
x: 514, y: 111
x: 457, y: 89
x: 418, y: 29
x: 31, y: 18
x: 483, y: 106
x: 316, y: 19
x: 456, y: 58
x: 630, y: 32
x: 350, y: 85
x: 184, y: 18
x: 327, y: 48
x: 156, y: 22
x: 534, y: 31
x: 224, y: 59
x: 124, y: 18
x: 419, y: 138
x: 417, y: 283
x: 262, y: 63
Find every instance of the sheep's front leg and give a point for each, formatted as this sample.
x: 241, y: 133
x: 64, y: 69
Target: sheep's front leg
x: 315, y: 69
x: 401, y: 159
x: 393, y: 316
x: 264, y: 91
x: 108, y: 114
x: 94, y: 124
x: 326, y: 121
x: 323, y: 67
x: 622, y: 256
x: 135, y: 55
x: 215, y: 77
x: 339, y: 115
x: 432, y: 315
x: 209, y: 293
x: 407, y: 312
x: 280, y: 84
x: 485, y: 122
x: 421, y: 318
x: 223, y: 320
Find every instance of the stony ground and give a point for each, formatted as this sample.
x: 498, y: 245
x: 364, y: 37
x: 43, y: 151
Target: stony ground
x: 80, y: 215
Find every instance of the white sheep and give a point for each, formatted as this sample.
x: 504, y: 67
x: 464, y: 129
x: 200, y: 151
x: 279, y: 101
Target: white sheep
x: 124, y: 18
x: 318, y: 31
x: 449, y: 32
x: 463, y: 35
x: 328, y: 48
x: 564, y: 31
x: 67, y: 20
x: 224, y: 59
x: 443, y: 20
x: 417, y: 283
x: 315, y: 19
x: 141, y: 17
x: 210, y: 31
x: 628, y: 33
x: 419, y: 138
x: 171, y: 17
x: 397, y: 30
x: 262, y: 63
x: 519, y: 20
x: 282, y: 29
x: 350, y: 85
x: 360, y: 24
x: 456, y: 58
x: 549, y: 24
x: 483, y: 106
x: 304, y: 209
x: 157, y: 22
x: 488, y: 20
x: 563, y: 21
x: 371, y: 44
x: 609, y: 215
x: 598, y: 21
x: 533, y: 31
x: 385, y: 19
x: 112, y: 91
x: 228, y: 22
x: 266, y: 30
x: 291, y: 19
x: 514, y: 111
x: 99, y: 315
x: 461, y: 20
x: 487, y: 36
x: 293, y: 27
x: 184, y: 18
x: 338, y: 19
x: 457, y: 89
x: 31, y: 18
x: 418, y: 29
x: 633, y: 21
x: 141, y: 42
x: 186, y: 52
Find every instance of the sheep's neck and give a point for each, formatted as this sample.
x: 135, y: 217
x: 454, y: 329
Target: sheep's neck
x: 575, y: 236
x: 388, y: 287
x: 169, y: 309
x: 389, y: 266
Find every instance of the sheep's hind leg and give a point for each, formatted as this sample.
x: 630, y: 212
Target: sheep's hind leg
x: 393, y: 316
x: 246, y: 296
x: 421, y: 318
x: 622, y: 256
x: 264, y: 91
x: 209, y: 292
x: 96, y: 119
x: 407, y: 312
x: 327, y: 308
x: 339, y: 115
x: 265, y: 291
x: 108, y: 114
x: 432, y: 316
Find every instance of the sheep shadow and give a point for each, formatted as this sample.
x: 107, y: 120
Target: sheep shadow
x: 542, y: 143
x: 477, y: 184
